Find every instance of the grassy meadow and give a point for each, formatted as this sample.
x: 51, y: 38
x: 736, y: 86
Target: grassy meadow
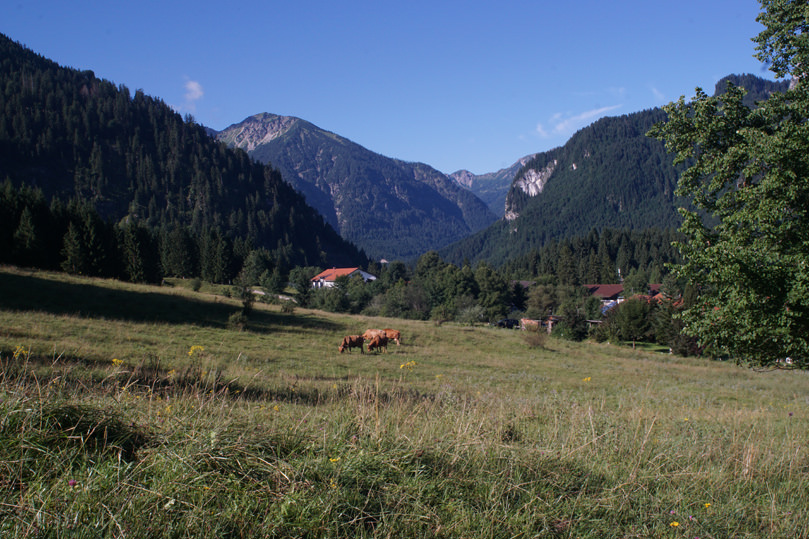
x: 139, y: 411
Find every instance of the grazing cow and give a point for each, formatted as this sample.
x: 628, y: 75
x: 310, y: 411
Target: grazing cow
x: 378, y: 342
x: 352, y: 341
x: 371, y: 333
x: 529, y: 325
x: 393, y: 335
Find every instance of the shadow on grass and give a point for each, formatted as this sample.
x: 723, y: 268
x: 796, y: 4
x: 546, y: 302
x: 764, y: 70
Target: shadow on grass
x: 74, y: 375
x: 32, y: 293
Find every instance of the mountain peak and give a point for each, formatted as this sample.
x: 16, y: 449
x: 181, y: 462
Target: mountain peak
x: 257, y: 130
x: 388, y: 207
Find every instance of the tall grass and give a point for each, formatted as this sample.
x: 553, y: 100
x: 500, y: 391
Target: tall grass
x: 117, y: 424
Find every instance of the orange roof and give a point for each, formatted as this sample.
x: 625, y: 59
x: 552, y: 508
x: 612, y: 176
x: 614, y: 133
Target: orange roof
x: 332, y: 274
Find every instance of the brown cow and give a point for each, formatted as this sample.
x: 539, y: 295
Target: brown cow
x: 371, y: 333
x: 529, y: 325
x: 378, y: 342
x: 393, y: 335
x: 352, y: 341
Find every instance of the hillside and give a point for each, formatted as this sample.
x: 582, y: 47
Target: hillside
x: 134, y: 160
x: 390, y: 208
x: 608, y: 175
x: 168, y: 424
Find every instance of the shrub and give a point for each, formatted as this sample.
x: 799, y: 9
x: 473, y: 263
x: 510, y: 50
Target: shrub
x: 237, y: 320
x: 535, y: 337
x: 288, y: 307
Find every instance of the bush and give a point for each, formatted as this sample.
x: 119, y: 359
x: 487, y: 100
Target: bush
x: 470, y: 315
x: 237, y: 320
x: 196, y: 284
x: 536, y: 337
x: 288, y: 307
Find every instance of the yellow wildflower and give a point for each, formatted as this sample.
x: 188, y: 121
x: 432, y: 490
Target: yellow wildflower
x: 674, y: 524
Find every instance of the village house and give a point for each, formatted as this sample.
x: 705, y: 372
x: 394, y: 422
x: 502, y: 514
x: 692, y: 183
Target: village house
x: 613, y: 294
x: 328, y: 278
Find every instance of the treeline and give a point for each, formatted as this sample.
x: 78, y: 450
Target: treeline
x: 605, y: 257
x: 135, y: 160
x: 432, y: 289
x: 440, y: 291
x: 545, y: 283
x: 72, y: 237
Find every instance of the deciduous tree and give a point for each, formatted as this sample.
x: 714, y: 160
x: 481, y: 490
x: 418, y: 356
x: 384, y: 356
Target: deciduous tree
x: 747, y: 175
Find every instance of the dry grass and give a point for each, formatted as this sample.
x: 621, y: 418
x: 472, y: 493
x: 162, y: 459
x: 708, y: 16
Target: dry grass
x: 117, y: 413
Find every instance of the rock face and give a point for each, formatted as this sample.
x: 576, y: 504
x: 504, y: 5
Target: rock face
x: 256, y: 130
x: 464, y: 178
x: 531, y: 182
x: 390, y: 208
x: 491, y: 187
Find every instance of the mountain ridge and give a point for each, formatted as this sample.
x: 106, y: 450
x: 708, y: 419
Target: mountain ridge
x: 607, y: 175
x: 491, y: 187
x: 133, y: 158
x: 389, y: 207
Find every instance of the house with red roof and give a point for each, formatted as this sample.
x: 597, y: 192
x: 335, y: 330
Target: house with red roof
x: 613, y: 294
x: 328, y: 278
x: 606, y: 292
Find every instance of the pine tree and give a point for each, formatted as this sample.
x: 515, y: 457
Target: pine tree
x: 73, y: 256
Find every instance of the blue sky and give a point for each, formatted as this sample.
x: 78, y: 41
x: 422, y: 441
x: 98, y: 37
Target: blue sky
x: 473, y: 85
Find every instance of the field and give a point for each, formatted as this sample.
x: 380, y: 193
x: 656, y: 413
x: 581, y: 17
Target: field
x: 138, y: 411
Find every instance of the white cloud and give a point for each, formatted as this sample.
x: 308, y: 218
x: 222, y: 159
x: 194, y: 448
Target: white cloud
x: 193, y: 90
x: 193, y: 93
x: 658, y: 95
x: 562, y: 124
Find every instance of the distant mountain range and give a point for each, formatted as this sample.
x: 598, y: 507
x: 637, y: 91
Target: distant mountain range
x: 135, y: 160
x: 390, y: 208
x: 609, y: 174
x: 492, y: 187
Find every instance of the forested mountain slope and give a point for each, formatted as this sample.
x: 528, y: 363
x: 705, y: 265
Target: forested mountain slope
x: 608, y: 175
x: 390, y: 208
x: 75, y: 136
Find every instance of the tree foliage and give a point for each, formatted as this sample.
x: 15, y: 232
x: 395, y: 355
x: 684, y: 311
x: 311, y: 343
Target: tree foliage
x: 747, y: 175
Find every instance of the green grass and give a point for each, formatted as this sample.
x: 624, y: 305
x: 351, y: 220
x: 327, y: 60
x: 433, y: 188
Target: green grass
x: 114, y: 423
